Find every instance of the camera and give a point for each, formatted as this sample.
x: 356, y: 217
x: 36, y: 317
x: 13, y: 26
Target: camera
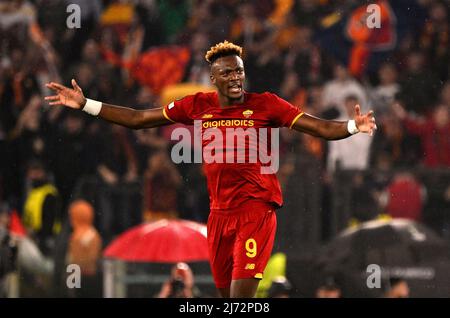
x: 177, y: 286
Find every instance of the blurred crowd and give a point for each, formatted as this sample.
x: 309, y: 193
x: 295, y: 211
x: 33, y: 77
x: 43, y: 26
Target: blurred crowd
x: 144, y: 53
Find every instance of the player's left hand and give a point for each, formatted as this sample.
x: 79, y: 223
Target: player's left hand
x: 365, y: 122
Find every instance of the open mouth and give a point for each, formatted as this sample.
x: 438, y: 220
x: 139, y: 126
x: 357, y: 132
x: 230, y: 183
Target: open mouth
x: 235, y: 88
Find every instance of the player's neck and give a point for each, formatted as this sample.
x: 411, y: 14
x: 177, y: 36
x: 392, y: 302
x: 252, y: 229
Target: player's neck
x: 225, y: 101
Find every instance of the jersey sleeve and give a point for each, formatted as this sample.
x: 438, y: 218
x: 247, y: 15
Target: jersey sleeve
x: 180, y: 111
x: 283, y: 113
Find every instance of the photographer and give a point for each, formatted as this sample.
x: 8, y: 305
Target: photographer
x: 180, y: 283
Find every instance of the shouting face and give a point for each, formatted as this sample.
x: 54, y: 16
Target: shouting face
x: 227, y: 74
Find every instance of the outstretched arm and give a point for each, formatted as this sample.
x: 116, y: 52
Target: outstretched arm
x: 334, y: 130
x: 416, y: 126
x: 128, y: 117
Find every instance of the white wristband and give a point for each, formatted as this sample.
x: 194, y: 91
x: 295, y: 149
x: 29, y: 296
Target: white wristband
x: 92, y: 107
x: 351, y: 127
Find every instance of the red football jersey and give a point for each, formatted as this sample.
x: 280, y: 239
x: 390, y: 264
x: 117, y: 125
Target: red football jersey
x: 232, y: 182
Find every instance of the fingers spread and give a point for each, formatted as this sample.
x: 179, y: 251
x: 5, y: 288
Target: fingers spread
x: 54, y: 97
x: 53, y: 87
x: 57, y: 86
x: 75, y: 85
x: 357, y: 110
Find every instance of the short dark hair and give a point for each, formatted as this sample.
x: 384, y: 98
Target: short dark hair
x: 351, y: 97
x: 4, y: 207
x: 36, y: 164
x: 391, y: 282
x: 329, y: 283
x: 279, y: 286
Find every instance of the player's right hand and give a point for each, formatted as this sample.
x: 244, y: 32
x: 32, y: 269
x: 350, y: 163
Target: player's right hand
x: 69, y: 97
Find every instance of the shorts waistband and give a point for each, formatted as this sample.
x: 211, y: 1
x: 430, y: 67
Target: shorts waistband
x: 245, y: 207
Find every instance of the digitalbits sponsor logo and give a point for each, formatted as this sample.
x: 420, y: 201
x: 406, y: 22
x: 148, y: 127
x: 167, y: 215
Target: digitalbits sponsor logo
x: 227, y: 141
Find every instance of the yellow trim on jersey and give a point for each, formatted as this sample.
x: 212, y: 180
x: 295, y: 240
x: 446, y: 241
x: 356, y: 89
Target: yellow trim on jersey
x: 167, y: 117
x: 259, y: 276
x: 295, y: 119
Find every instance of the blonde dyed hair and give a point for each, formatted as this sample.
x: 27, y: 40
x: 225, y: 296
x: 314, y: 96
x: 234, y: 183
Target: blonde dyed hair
x: 222, y: 49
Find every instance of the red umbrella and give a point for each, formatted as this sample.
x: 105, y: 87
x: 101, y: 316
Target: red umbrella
x: 164, y: 241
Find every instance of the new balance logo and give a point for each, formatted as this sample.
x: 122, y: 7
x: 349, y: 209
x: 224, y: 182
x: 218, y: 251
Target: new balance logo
x: 250, y: 266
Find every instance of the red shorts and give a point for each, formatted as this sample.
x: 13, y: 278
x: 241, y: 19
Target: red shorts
x: 240, y: 241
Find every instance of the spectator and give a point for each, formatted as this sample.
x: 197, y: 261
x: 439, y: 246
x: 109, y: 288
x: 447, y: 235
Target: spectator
x: 393, y: 146
x: 305, y: 59
x: 161, y: 183
x: 307, y: 11
x: 419, y: 87
x: 397, y: 288
x: 85, y: 246
x: 69, y: 144
x: 181, y: 283
x: 328, y: 289
x: 28, y: 134
x: 114, y: 158
x: 351, y: 153
x: 280, y: 288
x: 197, y: 71
x: 404, y: 197
x: 41, y: 212
x: 435, y: 39
x: 433, y: 132
x: 338, y: 89
x: 90, y: 54
x: 384, y: 94
x: 246, y: 28
x: 90, y: 14
x: 266, y: 58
